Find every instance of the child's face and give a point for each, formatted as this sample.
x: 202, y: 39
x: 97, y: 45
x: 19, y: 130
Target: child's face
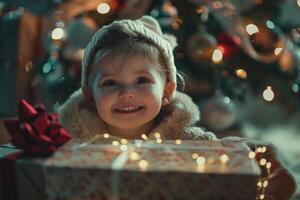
x: 128, y: 91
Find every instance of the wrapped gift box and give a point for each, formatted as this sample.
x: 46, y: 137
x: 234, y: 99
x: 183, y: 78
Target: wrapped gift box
x: 139, y: 170
x: 149, y: 170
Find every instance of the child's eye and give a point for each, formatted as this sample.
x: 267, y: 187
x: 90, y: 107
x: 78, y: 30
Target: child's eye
x: 142, y: 80
x: 108, y: 82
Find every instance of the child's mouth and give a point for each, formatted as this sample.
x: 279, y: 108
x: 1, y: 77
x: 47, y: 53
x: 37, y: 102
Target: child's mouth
x: 130, y: 109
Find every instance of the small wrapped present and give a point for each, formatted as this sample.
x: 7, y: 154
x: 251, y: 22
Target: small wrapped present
x: 149, y: 170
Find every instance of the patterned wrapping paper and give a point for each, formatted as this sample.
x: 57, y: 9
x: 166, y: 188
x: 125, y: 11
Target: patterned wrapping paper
x: 103, y: 171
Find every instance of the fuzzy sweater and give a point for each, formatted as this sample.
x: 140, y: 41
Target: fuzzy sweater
x: 175, y: 121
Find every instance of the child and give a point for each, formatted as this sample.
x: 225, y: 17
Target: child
x: 129, y: 85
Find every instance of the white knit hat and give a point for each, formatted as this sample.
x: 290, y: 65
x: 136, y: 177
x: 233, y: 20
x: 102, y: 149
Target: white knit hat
x: 147, y: 28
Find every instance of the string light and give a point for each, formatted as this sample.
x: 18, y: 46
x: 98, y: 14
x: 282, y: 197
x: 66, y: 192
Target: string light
x: 262, y: 196
x: 241, y: 73
x: 252, y: 29
x: 270, y: 24
x: 194, y: 155
x: 178, y: 141
x: 298, y: 3
x: 144, y: 136
x: 277, y: 51
x: 268, y: 94
x: 103, y: 8
x: 143, y: 164
x: 124, y: 141
x: 123, y: 147
x: 217, y: 56
x: 224, y: 158
x: 263, y: 161
x: 106, y: 135
x: 262, y: 183
x: 263, y: 149
x: 158, y: 140
x: 265, y: 183
x: 134, y: 156
x: 157, y: 135
x: 58, y: 34
x: 259, y: 150
x: 201, y: 160
x: 295, y: 88
x: 115, y: 143
x: 47, y: 68
x: 252, y: 154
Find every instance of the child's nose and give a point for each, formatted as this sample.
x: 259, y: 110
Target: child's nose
x: 126, y: 92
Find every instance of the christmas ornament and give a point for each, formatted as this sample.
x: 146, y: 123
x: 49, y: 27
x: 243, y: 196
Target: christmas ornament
x: 227, y: 44
x: 266, y: 39
x: 200, y: 47
x: 219, y: 113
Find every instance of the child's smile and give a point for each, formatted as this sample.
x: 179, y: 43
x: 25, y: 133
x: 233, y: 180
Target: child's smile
x: 128, y: 91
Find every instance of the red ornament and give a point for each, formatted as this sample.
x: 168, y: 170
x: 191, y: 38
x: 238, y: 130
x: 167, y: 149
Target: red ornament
x: 228, y: 45
x: 36, y: 131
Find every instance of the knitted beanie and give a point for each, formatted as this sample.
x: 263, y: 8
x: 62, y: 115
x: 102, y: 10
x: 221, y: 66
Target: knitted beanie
x: 146, y: 28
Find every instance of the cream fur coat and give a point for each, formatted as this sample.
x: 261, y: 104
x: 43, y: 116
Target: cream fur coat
x: 80, y: 117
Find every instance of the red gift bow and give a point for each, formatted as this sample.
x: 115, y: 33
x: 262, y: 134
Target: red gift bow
x: 36, y: 131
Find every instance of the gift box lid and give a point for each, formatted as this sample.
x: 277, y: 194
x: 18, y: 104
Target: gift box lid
x: 169, y: 155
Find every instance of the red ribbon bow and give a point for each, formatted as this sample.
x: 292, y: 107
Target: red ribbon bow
x: 36, y: 131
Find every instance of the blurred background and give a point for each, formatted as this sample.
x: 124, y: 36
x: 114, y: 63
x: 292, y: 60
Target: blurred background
x: 240, y: 59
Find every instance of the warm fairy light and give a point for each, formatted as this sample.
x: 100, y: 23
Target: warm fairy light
x: 115, y: 143
x: 252, y: 29
x: 262, y: 161
x: 103, y: 8
x: 157, y: 135
x: 259, y: 149
x: 259, y: 184
x: 134, y: 156
x: 143, y: 164
x: 58, y: 33
x: 106, y: 135
x: 252, y: 154
x: 265, y: 183
x: 217, y: 56
x: 178, y: 141
x: 263, y: 149
x: 158, y: 140
x: 224, y: 159
x: 123, y: 147
x: 144, y: 136
x: 201, y: 163
x: 277, y: 51
x: 200, y: 160
x: 194, y: 155
x: 298, y: 3
x: 241, y: 73
x: 124, y: 141
x: 268, y: 94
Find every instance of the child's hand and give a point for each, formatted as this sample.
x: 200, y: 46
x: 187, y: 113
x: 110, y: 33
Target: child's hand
x: 281, y: 184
